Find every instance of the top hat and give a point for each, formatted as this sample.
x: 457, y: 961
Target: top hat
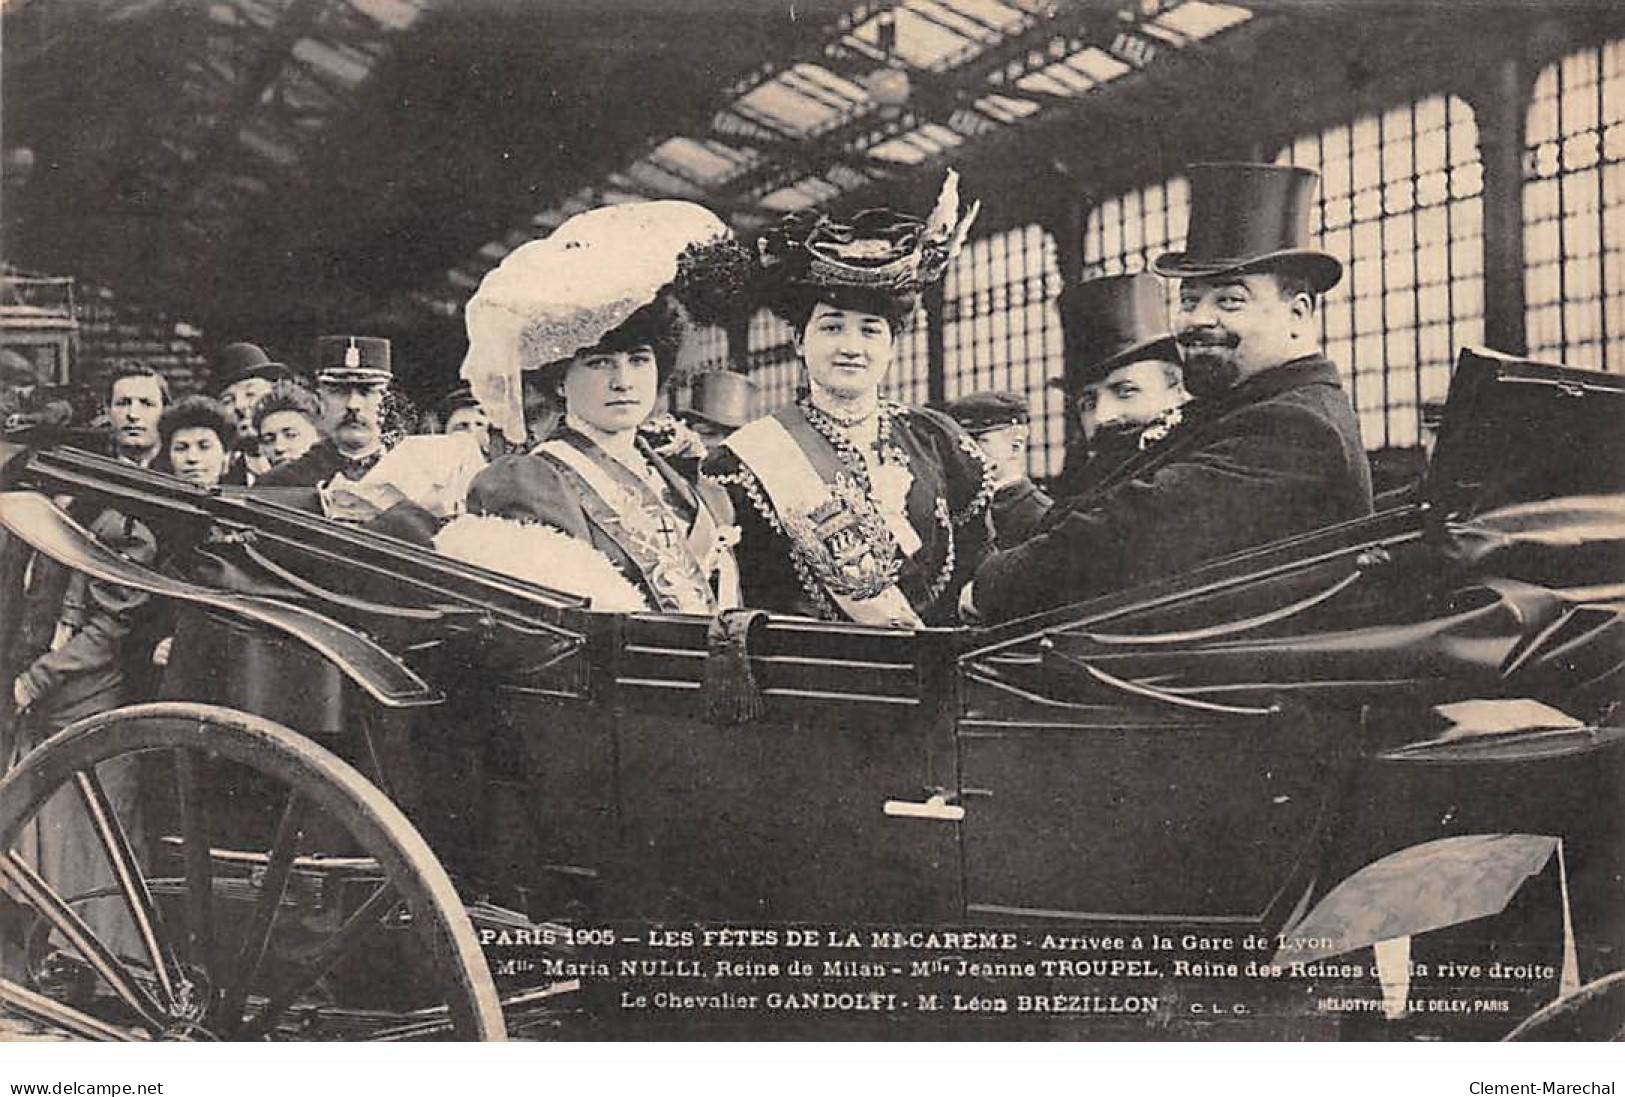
x: 353, y: 359
x: 722, y: 398
x: 1112, y: 322
x: 247, y: 361
x: 1250, y: 217
x: 981, y: 412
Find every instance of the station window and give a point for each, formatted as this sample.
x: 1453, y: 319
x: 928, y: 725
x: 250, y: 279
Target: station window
x: 1124, y: 233
x: 909, y: 380
x: 1401, y: 204
x: 1001, y: 331
x: 771, y: 353
x: 1574, y: 210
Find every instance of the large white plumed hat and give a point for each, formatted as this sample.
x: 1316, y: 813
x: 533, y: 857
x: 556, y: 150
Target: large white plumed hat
x: 551, y: 298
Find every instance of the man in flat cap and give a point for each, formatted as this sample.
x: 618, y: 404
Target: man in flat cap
x: 353, y: 373
x: 1123, y: 374
x: 246, y: 376
x: 1001, y: 425
x: 1269, y: 448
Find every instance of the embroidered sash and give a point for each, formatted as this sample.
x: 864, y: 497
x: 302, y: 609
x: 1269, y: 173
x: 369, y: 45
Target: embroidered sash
x: 834, y: 527
x: 632, y: 513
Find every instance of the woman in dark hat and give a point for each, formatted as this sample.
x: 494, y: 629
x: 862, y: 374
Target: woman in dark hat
x: 852, y: 507
x: 593, y: 313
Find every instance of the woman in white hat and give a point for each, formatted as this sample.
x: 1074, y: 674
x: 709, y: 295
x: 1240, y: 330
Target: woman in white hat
x: 853, y: 507
x: 594, y: 312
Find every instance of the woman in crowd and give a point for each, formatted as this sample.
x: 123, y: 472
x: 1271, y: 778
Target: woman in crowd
x: 196, y: 435
x: 851, y: 506
x: 287, y: 421
x: 593, y: 311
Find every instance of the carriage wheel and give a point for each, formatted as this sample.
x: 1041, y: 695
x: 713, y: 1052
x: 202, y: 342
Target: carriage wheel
x: 203, y: 931
x: 1594, y: 1012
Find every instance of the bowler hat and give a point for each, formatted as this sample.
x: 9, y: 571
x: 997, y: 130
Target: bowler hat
x: 353, y: 358
x: 1112, y: 322
x: 247, y: 361
x: 722, y: 398
x: 1246, y: 218
x: 981, y: 412
x: 457, y: 399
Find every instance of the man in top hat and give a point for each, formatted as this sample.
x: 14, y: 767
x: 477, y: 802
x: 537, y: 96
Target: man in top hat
x: 246, y: 376
x: 1123, y: 373
x: 353, y: 373
x: 1270, y: 447
x: 1001, y: 425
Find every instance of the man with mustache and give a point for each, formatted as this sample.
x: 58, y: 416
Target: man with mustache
x: 353, y: 373
x: 1269, y: 448
x: 1001, y: 424
x: 246, y: 376
x: 1123, y: 373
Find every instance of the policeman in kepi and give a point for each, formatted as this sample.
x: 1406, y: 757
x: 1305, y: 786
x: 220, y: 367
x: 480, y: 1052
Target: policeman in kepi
x: 353, y: 373
x: 1001, y: 424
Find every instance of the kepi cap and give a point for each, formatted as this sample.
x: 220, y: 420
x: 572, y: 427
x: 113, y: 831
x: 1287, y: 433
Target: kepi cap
x: 353, y: 359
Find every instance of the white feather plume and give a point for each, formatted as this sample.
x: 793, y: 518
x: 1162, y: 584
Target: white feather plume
x: 542, y: 555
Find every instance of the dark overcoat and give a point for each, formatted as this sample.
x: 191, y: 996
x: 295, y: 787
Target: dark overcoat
x: 1277, y: 455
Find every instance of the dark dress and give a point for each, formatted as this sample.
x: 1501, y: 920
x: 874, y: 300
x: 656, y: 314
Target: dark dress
x: 947, y: 506
x: 1279, y: 454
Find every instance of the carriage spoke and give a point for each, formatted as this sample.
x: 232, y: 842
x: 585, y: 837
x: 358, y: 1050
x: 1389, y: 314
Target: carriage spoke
x: 199, y: 868
x: 132, y: 883
x: 366, y: 917
x: 48, y: 1011
x: 257, y: 937
x: 67, y: 922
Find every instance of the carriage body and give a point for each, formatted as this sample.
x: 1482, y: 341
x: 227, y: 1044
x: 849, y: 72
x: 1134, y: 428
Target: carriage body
x: 1215, y: 750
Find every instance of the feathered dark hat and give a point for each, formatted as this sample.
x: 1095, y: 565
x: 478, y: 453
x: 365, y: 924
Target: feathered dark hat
x: 879, y: 252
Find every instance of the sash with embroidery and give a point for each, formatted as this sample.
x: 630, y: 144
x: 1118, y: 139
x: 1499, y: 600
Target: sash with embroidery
x: 853, y: 549
x: 674, y: 564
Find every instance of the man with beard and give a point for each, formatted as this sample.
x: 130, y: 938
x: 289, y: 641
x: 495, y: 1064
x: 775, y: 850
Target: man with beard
x: 1271, y: 448
x: 1001, y: 424
x: 1123, y: 371
x: 352, y: 375
x: 246, y: 377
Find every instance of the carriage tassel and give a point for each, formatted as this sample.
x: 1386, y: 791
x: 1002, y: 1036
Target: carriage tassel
x: 731, y: 694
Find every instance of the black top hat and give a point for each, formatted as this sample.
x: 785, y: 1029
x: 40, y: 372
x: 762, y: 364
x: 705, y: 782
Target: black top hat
x: 353, y: 359
x: 1250, y: 217
x: 722, y: 398
x: 246, y: 361
x: 981, y: 412
x: 1112, y: 322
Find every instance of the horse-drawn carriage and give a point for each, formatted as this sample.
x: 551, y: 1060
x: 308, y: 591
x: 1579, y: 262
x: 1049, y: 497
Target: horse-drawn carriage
x: 366, y: 750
